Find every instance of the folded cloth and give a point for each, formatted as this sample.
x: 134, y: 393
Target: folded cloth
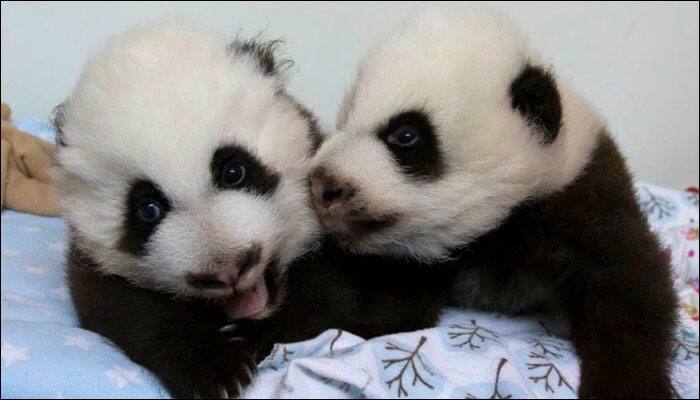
x: 26, y: 159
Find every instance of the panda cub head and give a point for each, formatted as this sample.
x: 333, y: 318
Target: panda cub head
x: 182, y: 166
x: 451, y: 122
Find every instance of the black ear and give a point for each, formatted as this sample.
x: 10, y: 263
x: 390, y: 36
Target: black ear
x: 534, y: 94
x: 262, y: 52
x: 57, y: 116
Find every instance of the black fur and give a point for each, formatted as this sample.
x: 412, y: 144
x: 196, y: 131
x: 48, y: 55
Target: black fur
x: 314, y: 131
x: 534, y: 94
x: 136, y: 232
x: 180, y: 341
x: 588, y: 251
x: 258, y: 179
x: 262, y: 52
x: 367, y: 295
x: 587, y: 247
x: 423, y: 160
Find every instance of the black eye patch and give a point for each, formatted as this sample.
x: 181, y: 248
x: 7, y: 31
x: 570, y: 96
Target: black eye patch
x: 146, y: 207
x: 411, y: 139
x: 234, y: 168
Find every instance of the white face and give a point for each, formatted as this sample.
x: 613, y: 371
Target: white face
x: 441, y: 136
x: 184, y: 166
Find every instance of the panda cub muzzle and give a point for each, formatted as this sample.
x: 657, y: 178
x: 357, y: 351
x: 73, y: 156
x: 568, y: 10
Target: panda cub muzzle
x: 227, y: 272
x: 243, y: 285
x: 342, y: 210
x: 351, y: 204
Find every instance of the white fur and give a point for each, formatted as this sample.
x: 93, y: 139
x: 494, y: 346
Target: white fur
x: 458, y: 68
x: 155, y: 104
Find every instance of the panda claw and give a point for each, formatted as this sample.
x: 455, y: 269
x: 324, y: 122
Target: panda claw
x: 228, y: 328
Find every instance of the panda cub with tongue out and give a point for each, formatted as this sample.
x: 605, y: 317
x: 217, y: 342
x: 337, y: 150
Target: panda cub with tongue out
x: 182, y: 166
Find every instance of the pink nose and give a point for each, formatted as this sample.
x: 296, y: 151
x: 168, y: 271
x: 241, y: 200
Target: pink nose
x: 228, y: 271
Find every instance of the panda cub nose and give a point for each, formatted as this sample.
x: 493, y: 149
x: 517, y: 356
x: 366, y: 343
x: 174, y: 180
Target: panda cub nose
x: 228, y: 271
x: 327, y: 190
x: 331, y: 192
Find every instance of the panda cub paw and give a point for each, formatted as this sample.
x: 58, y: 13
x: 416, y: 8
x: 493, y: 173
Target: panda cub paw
x: 219, y: 369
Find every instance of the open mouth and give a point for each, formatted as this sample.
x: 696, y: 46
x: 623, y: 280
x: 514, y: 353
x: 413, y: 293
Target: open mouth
x: 248, y: 303
x: 258, y: 300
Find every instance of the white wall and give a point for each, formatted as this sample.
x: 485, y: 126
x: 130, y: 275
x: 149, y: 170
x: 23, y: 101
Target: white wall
x: 638, y: 63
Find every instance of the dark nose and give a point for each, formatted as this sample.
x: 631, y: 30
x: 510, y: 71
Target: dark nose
x: 228, y: 270
x: 328, y: 190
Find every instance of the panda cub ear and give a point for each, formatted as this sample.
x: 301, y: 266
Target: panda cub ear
x: 262, y: 52
x: 534, y: 94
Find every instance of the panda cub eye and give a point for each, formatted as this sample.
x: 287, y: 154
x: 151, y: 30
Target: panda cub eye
x: 150, y: 211
x: 411, y: 139
x: 405, y: 135
x: 146, y: 207
x: 232, y: 174
x: 235, y: 168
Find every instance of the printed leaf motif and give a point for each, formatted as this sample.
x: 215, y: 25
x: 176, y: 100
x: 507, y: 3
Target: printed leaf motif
x: 691, y: 197
x: 685, y: 348
x: 331, y: 350
x: 545, y: 349
x: 496, y: 393
x: 473, y: 335
x: 285, y: 354
x: 550, y: 374
x: 549, y: 347
x: 407, y: 373
x: 281, y: 355
x: 659, y: 208
x: 342, y: 386
x: 499, y: 388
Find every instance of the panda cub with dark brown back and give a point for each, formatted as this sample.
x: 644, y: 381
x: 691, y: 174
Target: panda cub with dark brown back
x: 182, y: 171
x: 457, y: 146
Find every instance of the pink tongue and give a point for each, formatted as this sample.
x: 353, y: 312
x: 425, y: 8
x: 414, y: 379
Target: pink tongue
x: 248, y: 303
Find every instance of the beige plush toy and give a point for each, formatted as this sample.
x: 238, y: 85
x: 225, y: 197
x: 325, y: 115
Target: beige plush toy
x: 25, y: 162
